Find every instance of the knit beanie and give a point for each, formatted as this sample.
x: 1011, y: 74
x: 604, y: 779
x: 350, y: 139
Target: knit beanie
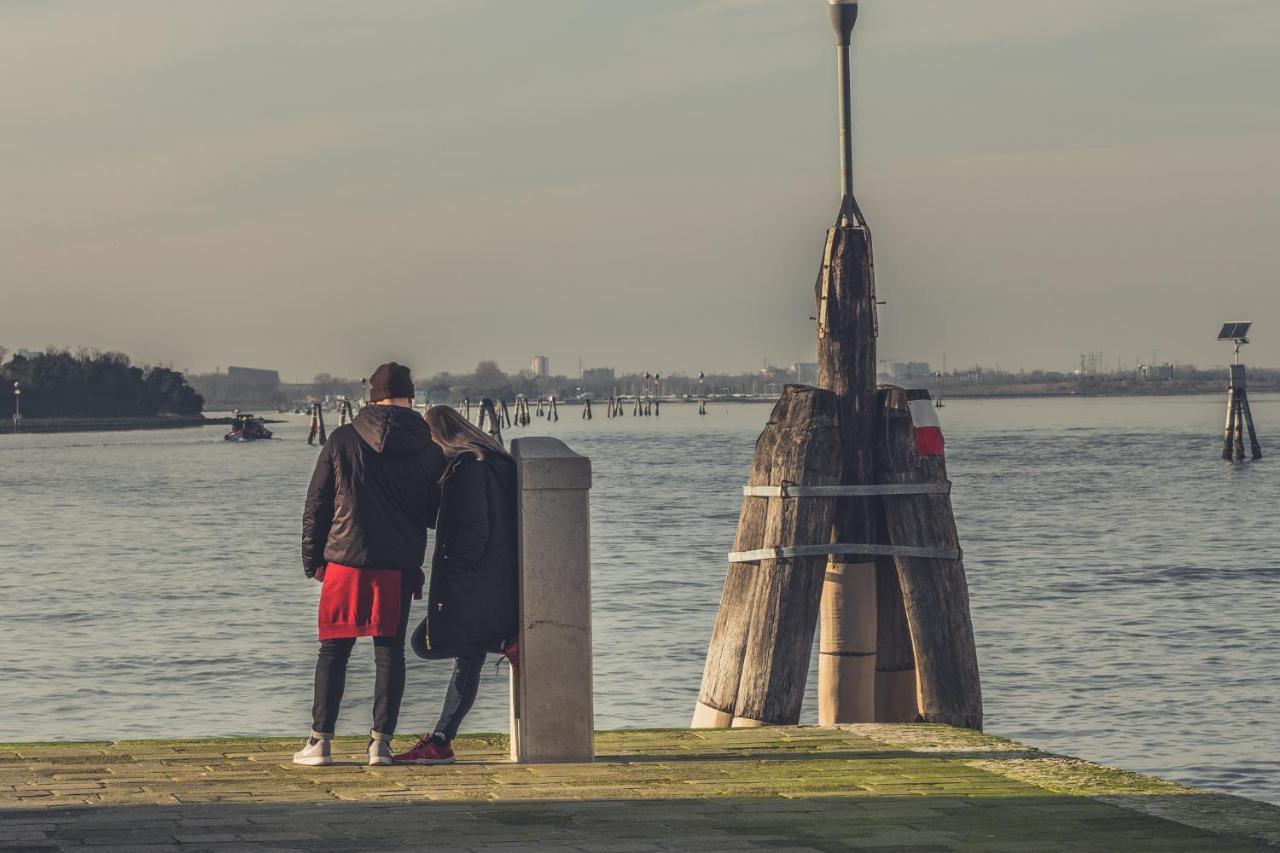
x: 390, y: 380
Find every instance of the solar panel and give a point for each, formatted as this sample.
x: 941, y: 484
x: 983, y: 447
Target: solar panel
x: 1234, y: 331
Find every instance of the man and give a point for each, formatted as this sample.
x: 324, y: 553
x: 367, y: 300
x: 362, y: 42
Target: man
x: 374, y: 492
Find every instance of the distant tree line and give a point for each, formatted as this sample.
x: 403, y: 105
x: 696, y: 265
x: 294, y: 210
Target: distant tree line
x: 87, y: 383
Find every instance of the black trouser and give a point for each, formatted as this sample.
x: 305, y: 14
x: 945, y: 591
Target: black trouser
x: 388, y: 691
x: 463, y: 687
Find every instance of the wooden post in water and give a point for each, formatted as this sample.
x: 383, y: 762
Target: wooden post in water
x: 846, y: 366
x: 758, y: 656
x: 895, y: 658
x: 489, y: 414
x: 1239, y: 420
x: 934, y: 587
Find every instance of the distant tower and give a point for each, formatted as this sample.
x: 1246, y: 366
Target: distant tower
x: 1239, y: 418
x: 540, y: 367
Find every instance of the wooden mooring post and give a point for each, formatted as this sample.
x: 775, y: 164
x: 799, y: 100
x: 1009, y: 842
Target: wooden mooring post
x: 317, y: 433
x: 1239, y: 420
x: 489, y: 416
x: 758, y: 656
x: 846, y: 328
x: 922, y: 529
x: 896, y: 638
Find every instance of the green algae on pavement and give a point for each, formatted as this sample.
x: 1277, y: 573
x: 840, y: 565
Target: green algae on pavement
x: 874, y: 787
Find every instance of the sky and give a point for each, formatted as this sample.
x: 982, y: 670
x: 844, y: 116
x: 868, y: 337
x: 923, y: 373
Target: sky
x: 319, y: 186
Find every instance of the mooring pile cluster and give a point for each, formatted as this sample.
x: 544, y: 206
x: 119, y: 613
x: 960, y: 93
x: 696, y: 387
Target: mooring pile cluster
x: 846, y: 516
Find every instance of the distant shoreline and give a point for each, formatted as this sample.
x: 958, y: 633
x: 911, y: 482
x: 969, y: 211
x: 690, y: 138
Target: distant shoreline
x: 57, y: 425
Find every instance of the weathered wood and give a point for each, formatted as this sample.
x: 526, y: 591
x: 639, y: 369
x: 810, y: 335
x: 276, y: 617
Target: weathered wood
x: 723, y: 670
x: 895, y: 658
x: 787, y: 592
x: 845, y: 294
x: 1228, y: 429
x: 1254, y: 446
x: 935, y: 591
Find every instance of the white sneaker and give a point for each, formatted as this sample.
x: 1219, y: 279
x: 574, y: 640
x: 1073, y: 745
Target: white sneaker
x: 315, y: 752
x: 379, y: 749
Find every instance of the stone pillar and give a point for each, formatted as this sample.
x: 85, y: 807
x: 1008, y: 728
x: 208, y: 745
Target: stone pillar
x: 551, y: 697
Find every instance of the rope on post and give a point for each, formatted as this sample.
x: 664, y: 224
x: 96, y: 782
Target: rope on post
x: 785, y: 491
x: 843, y: 549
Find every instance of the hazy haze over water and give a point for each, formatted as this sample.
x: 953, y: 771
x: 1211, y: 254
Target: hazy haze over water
x: 1125, y: 581
x: 319, y: 186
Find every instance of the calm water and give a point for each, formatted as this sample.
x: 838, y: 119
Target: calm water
x: 1125, y: 581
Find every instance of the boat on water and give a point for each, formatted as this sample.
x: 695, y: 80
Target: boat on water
x: 247, y: 428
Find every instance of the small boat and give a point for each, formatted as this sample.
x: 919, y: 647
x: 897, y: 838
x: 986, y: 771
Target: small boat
x: 247, y: 428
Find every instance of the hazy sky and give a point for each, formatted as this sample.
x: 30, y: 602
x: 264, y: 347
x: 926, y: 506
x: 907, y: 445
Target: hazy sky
x: 320, y: 186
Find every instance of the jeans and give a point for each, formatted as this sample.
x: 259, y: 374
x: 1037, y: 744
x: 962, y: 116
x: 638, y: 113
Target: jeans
x: 388, y: 692
x: 463, y: 687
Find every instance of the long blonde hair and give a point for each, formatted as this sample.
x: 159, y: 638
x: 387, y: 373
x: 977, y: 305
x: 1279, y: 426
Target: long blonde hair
x: 456, y: 435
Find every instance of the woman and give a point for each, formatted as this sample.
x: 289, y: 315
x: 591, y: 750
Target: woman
x: 471, y: 602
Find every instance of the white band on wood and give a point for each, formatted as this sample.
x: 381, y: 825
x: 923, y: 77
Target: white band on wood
x: 846, y: 491
x: 836, y: 549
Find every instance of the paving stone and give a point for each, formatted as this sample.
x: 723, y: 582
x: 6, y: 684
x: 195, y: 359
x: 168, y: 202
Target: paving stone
x: 900, y: 788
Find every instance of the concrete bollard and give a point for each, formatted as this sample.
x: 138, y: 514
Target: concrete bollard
x: 551, y: 696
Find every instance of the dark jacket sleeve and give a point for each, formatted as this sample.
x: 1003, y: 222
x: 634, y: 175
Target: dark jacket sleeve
x: 317, y: 514
x: 468, y: 536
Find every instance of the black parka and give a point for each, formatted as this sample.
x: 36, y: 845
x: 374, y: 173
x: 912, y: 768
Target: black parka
x: 471, y: 602
x: 374, y: 492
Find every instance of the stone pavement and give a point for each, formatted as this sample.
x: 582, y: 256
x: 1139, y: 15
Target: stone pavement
x: 907, y: 789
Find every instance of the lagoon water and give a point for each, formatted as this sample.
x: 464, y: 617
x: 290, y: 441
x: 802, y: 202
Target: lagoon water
x: 1125, y: 581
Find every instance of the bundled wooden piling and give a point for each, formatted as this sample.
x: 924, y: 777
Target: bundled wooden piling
x: 586, y: 409
x: 1239, y: 419
x: 317, y: 433
x: 489, y: 415
x: 345, y: 413
x: 553, y: 410
x: 758, y: 656
x: 466, y: 407
x: 934, y: 588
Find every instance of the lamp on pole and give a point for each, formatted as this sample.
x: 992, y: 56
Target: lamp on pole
x: 843, y: 15
x: 17, y: 406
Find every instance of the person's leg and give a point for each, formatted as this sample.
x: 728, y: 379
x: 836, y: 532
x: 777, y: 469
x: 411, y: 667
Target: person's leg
x: 463, y: 687
x: 331, y: 682
x: 388, y: 653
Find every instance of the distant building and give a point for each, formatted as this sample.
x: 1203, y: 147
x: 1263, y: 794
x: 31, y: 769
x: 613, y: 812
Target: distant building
x: 540, y: 367
x: 1162, y: 372
x: 806, y: 372
x: 254, y: 377
x: 597, y: 377
x: 909, y: 369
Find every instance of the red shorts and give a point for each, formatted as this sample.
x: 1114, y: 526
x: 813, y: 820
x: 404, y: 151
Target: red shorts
x: 363, y: 602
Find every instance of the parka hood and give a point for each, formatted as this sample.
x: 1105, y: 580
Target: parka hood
x: 392, y: 430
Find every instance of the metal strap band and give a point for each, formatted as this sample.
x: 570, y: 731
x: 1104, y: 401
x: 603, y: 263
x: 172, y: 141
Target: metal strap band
x: 837, y: 549
x: 846, y: 491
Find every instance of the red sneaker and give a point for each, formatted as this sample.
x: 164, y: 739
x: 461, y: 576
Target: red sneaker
x: 426, y: 751
x: 511, y: 651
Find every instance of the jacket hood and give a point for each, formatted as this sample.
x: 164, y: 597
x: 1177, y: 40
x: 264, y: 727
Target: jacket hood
x: 392, y: 430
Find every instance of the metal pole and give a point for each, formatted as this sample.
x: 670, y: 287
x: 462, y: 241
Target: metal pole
x: 843, y: 15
